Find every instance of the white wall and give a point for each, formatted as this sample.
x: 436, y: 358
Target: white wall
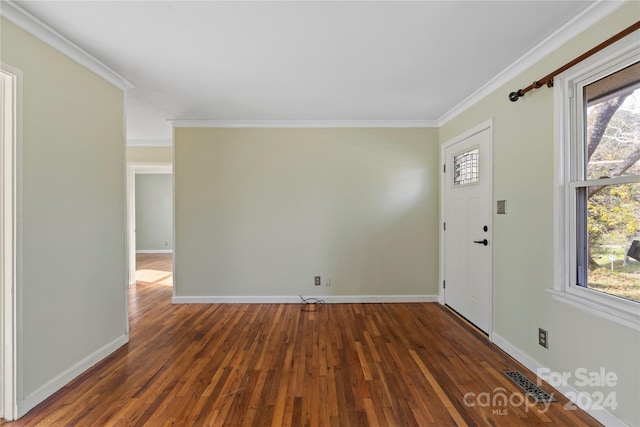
x: 154, y: 212
x: 262, y: 211
x: 523, y: 238
x: 72, y: 283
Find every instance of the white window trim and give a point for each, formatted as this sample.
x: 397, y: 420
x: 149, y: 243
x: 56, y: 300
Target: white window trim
x: 568, y: 131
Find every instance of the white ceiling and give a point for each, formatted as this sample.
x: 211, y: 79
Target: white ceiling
x: 301, y: 60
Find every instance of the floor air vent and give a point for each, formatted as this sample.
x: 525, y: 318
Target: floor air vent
x: 529, y: 387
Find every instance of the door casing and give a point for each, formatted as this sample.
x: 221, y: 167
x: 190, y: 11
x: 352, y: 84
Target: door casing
x: 10, y: 260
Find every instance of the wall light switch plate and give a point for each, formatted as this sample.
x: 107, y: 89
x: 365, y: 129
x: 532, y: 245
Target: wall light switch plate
x: 502, y: 206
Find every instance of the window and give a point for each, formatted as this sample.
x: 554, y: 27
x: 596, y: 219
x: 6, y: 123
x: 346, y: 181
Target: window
x: 598, y: 205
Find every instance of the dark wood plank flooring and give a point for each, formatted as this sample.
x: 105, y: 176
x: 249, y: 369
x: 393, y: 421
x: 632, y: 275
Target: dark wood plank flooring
x: 275, y: 365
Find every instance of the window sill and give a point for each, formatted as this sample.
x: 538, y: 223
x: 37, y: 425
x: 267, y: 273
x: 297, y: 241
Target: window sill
x: 600, y: 305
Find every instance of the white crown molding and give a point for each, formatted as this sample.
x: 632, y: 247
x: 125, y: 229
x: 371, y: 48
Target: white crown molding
x: 149, y: 143
x: 23, y: 19
x: 304, y: 123
x: 567, y: 32
x: 329, y: 299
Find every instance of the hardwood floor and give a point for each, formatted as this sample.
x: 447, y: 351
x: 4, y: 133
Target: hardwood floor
x: 275, y: 365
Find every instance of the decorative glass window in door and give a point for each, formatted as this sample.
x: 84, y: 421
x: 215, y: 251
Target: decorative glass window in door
x: 465, y: 168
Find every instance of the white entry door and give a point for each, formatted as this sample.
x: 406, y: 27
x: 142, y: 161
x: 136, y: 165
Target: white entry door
x: 467, y: 226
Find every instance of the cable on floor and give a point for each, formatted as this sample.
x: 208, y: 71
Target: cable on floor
x: 311, y: 304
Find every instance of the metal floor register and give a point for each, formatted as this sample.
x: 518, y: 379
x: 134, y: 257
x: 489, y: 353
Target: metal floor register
x: 530, y: 388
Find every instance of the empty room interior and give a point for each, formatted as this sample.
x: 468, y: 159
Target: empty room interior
x: 320, y: 213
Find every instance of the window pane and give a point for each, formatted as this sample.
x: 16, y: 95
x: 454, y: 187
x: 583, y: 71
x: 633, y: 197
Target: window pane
x: 465, y: 168
x: 613, y: 134
x: 613, y: 223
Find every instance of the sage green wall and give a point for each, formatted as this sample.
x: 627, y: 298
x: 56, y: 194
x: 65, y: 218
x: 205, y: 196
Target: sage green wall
x: 154, y: 212
x: 262, y: 211
x: 149, y: 154
x: 523, y: 238
x: 73, y: 211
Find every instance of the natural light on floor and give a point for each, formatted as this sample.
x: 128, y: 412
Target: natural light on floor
x: 154, y: 276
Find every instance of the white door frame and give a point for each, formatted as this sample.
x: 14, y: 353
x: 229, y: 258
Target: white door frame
x: 443, y: 161
x: 132, y: 170
x: 10, y: 260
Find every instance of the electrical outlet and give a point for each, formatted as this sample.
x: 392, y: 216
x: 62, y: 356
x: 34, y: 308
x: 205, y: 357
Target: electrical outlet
x: 317, y: 281
x: 543, y: 338
x: 327, y: 281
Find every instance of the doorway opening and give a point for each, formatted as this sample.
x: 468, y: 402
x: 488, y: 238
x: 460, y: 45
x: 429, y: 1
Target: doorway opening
x: 150, y: 218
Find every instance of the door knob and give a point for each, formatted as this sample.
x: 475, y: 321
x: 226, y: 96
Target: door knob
x: 484, y: 242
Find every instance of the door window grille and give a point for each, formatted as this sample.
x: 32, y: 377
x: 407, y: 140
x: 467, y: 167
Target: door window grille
x: 465, y: 167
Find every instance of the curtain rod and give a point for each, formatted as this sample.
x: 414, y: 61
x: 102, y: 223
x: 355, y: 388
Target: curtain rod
x: 548, y: 79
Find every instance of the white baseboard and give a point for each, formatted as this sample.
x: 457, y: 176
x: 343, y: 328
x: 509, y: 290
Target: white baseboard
x: 586, y: 404
x: 329, y: 299
x: 155, y: 251
x: 529, y: 362
x: 29, y: 402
